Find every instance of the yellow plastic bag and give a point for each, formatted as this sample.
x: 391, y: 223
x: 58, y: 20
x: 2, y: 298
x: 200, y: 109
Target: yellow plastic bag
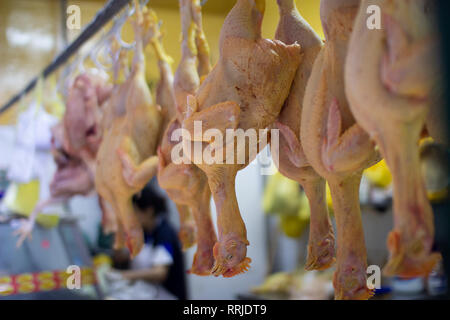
x: 22, y: 198
x: 379, y: 175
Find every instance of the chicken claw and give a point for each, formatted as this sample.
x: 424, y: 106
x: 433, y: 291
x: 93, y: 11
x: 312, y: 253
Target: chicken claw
x: 350, y: 281
x: 24, y: 231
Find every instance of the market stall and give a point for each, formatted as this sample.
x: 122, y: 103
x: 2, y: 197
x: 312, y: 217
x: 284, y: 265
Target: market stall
x: 243, y: 149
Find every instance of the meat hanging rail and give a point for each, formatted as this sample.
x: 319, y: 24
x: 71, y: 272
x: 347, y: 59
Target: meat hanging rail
x: 101, y: 19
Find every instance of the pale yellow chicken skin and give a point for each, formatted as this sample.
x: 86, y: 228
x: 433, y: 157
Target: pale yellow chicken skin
x: 245, y: 90
x: 391, y: 77
x: 186, y: 184
x: 292, y: 161
x: 130, y: 142
x: 337, y: 148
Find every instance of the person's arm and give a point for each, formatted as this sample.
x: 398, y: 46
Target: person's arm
x: 156, y: 274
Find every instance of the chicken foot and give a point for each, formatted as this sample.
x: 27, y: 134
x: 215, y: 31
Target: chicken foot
x: 204, y: 64
x: 26, y: 225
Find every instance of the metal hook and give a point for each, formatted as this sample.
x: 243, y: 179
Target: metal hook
x: 123, y: 44
x: 117, y: 28
x: 119, y: 21
x: 80, y: 66
x: 132, y: 10
x: 94, y: 57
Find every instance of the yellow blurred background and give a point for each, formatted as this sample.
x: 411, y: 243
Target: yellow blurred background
x: 31, y: 35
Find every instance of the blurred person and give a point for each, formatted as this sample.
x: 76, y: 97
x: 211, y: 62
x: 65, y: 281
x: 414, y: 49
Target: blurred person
x: 160, y: 260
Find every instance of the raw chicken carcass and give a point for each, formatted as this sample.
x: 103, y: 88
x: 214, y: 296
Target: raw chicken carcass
x: 185, y: 183
x: 337, y: 148
x: 292, y: 161
x: 74, y: 146
x: 127, y: 159
x: 71, y: 178
x: 245, y: 90
x: 391, y: 78
x: 83, y: 114
x: 168, y: 173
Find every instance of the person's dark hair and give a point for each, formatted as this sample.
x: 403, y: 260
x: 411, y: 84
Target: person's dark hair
x: 149, y: 198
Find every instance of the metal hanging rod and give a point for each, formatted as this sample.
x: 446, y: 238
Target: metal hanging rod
x: 101, y: 19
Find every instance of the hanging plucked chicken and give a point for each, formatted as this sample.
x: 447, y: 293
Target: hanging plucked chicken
x: 391, y: 82
x: 127, y: 159
x: 185, y: 183
x: 292, y: 161
x: 245, y: 90
x: 337, y: 147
